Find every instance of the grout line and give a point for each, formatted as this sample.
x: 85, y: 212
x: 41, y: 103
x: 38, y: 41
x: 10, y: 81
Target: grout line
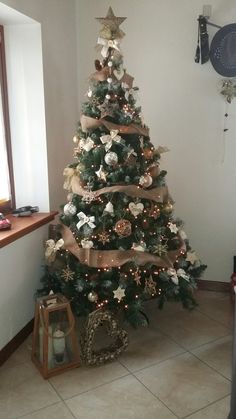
x: 37, y: 410
x: 99, y: 385
x: 154, y: 363
x: 209, y: 366
x: 211, y: 318
x: 205, y: 407
x: 154, y: 395
x: 210, y: 342
x: 62, y: 400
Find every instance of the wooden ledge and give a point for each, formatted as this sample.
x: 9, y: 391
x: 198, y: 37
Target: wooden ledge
x: 20, y: 226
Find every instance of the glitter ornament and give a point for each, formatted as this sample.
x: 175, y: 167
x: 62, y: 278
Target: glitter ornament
x: 111, y: 158
x: 70, y: 209
x: 123, y: 228
x: 145, y: 181
x: 92, y: 297
x: 167, y: 208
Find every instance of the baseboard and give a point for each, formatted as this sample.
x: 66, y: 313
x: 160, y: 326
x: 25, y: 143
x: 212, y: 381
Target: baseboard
x: 213, y: 285
x: 11, y: 346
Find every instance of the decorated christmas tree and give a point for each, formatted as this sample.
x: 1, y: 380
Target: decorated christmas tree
x: 120, y: 243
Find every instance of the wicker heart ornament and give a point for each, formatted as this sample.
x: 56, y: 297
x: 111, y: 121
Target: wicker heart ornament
x: 118, y: 335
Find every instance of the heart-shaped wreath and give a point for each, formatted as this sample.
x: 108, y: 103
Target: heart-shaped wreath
x: 119, y: 336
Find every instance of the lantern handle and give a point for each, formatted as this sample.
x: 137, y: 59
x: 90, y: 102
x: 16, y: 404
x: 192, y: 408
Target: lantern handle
x: 45, y: 329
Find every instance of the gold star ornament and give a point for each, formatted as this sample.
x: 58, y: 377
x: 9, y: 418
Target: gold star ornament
x: 111, y: 23
x: 103, y: 237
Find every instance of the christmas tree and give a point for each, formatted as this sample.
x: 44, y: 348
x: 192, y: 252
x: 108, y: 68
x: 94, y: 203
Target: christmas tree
x: 123, y: 245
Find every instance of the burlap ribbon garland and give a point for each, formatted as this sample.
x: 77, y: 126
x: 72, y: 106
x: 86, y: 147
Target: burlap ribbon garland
x: 72, y: 183
x: 88, y: 123
x: 114, y: 258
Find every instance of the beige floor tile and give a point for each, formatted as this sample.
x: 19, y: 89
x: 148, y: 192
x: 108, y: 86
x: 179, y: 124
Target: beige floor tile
x: 57, y: 411
x: 184, y: 384
x: 218, y: 410
x: 23, y: 390
x: 125, y: 398
x: 218, y: 355
x: 216, y: 305
x: 21, y: 355
x: 83, y: 378
x: 189, y: 329
x: 147, y: 347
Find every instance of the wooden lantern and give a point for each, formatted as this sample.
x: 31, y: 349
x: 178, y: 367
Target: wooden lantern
x: 55, y: 345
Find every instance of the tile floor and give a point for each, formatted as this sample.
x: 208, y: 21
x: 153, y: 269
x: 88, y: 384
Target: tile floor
x: 178, y: 367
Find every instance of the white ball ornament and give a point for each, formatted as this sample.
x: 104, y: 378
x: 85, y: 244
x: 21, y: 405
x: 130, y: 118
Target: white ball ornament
x: 111, y: 158
x: 92, y: 297
x: 109, y: 63
x: 109, y: 80
x: 70, y: 209
x: 145, y: 181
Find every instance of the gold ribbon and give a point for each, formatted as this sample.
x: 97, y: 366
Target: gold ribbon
x: 159, y: 194
x: 114, y: 258
x: 69, y: 174
x: 88, y: 123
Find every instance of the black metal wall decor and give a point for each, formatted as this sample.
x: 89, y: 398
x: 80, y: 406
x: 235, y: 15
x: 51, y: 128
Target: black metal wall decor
x: 222, y: 51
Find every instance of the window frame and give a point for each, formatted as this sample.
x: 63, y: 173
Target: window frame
x: 9, y: 205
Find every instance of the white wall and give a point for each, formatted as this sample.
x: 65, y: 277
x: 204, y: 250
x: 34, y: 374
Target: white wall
x: 21, y: 267
x: 21, y: 262
x: 183, y: 109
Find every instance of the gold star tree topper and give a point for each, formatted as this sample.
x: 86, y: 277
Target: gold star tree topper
x: 111, y: 23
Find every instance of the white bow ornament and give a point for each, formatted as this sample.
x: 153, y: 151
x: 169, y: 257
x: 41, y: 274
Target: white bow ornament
x: 86, y: 144
x: 109, y: 138
x: 84, y: 219
x: 51, y: 249
x: 106, y: 44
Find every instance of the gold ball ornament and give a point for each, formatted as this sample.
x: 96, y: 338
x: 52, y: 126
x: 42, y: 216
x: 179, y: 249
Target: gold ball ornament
x: 75, y: 139
x: 148, y: 153
x: 145, y: 181
x: 167, y: 208
x: 92, y: 297
x: 123, y: 228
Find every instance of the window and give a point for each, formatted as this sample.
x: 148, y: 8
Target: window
x: 7, y: 194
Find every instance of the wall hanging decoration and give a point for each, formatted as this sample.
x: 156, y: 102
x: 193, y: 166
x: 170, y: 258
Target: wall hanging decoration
x: 222, y: 50
x: 55, y: 344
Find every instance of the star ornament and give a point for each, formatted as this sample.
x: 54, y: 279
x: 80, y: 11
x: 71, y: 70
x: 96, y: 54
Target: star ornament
x: 119, y: 293
x: 103, y: 237
x: 101, y: 173
x: 191, y: 257
x: 67, y: 274
x: 111, y: 25
x: 173, y: 228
